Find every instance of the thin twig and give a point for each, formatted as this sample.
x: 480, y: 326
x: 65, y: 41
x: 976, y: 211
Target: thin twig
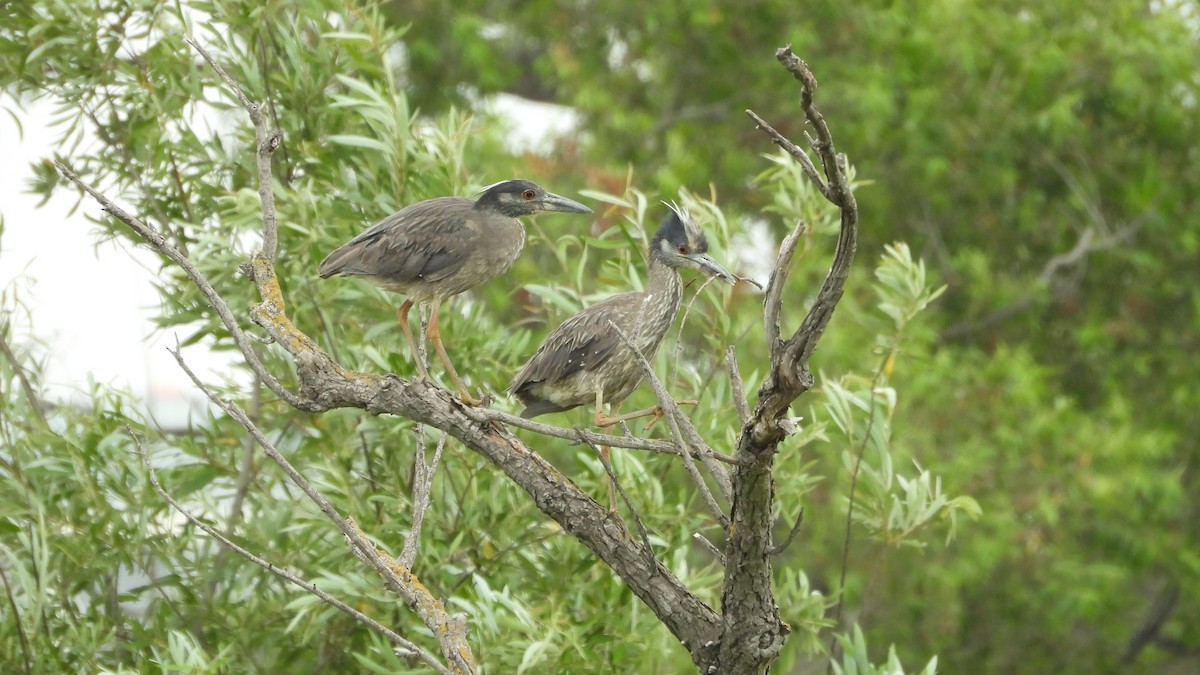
x: 422, y: 490
x: 626, y: 442
x: 710, y: 547
x: 400, y: 641
x: 736, y: 386
x: 449, y: 633
x: 719, y: 473
x: 612, y: 476
x: 773, y: 300
x: 266, y: 143
x: 422, y: 473
x: 370, y: 464
x: 159, y: 243
x: 27, y: 388
x: 246, y: 470
x: 26, y: 659
x: 795, y: 151
x: 261, y: 339
x: 783, y: 546
x: 687, y: 310
x: 672, y: 413
x: 834, y: 645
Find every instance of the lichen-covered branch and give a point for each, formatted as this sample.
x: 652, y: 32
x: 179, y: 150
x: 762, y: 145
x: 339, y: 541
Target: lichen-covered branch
x: 450, y: 634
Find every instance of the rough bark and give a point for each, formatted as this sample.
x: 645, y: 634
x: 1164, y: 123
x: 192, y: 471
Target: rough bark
x: 329, y: 386
x: 752, y: 632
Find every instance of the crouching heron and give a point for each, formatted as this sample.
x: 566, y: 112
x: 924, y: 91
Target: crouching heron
x: 584, y: 361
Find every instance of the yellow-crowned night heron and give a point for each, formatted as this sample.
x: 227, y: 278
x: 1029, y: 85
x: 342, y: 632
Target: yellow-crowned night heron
x: 440, y: 247
x: 585, y: 361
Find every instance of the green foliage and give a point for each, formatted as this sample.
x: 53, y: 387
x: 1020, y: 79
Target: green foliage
x: 856, y: 660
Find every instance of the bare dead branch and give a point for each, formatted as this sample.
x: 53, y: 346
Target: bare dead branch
x: 160, y: 244
x: 779, y: 276
x: 736, y: 387
x: 400, y: 579
x: 266, y: 142
x: 673, y: 414
x: 747, y: 600
x: 710, y: 547
x: 1088, y: 243
x: 823, y: 143
x: 282, y: 573
x: 422, y: 487
x: 246, y: 470
x: 612, y: 441
x: 789, y: 375
x: 795, y: 151
x: 791, y: 535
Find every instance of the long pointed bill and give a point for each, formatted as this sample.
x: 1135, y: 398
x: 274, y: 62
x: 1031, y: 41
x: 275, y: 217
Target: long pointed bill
x: 712, y: 268
x: 553, y: 202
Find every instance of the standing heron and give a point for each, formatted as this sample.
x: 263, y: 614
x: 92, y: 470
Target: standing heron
x: 585, y: 361
x: 440, y: 247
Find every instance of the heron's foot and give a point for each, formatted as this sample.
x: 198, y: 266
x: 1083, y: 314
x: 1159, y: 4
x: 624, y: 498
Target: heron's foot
x: 467, y: 399
x: 658, y: 413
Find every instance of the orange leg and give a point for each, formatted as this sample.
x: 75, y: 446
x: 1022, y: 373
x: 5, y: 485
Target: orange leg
x: 606, y: 458
x: 605, y: 451
x: 655, y: 413
x: 435, y: 336
x: 402, y: 315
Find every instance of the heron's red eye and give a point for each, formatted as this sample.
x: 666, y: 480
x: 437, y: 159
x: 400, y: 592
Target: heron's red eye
x: 528, y: 195
x: 683, y: 250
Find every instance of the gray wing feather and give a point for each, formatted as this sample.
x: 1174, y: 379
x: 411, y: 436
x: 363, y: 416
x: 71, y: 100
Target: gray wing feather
x: 582, y: 342
x: 429, y: 240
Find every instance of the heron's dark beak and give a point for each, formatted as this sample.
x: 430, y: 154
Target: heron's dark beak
x: 712, y: 268
x: 553, y: 202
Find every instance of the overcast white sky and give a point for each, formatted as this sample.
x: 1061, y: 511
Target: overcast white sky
x: 90, y: 305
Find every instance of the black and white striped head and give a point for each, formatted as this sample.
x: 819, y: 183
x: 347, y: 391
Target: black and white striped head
x: 518, y: 197
x: 680, y: 243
